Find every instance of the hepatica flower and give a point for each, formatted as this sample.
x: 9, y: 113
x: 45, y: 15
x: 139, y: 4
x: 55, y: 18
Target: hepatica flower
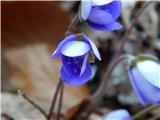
x: 101, y: 14
x: 75, y: 52
x: 144, y: 72
x: 120, y: 114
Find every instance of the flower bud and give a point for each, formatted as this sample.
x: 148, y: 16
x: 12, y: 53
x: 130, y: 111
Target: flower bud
x: 144, y: 73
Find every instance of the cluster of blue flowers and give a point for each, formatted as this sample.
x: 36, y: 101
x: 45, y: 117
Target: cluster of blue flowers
x: 76, y: 50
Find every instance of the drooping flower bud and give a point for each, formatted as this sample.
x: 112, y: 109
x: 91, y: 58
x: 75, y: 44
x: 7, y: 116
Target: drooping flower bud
x: 144, y: 73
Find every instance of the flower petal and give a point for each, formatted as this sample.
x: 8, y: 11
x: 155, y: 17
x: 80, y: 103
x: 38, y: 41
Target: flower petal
x: 110, y: 27
x: 67, y: 39
x: 100, y: 17
x: 147, y: 93
x: 67, y: 64
x: 76, y: 80
x: 92, y: 45
x: 101, y: 2
x: 134, y: 86
x: 150, y: 71
x: 84, y: 64
x: 86, y: 6
x: 120, y: 114
x: 114, y: 8
x: 75, y: 48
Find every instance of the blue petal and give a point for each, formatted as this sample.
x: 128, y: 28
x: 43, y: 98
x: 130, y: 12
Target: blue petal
x: 76, y: 80
x: 67, y: 39
x: 85, y: 8
x: 101, y: 2
x: 114, y: 8
x: 134, y: 86
x: 120, y: 114
x: 67, y: 63
x: 150, y: 70
x: 110, y: 27
x: 147, y: 93
x: 83, y: 68
x: 92, y: 45
x: 75, y: 48
x: 100, y: 17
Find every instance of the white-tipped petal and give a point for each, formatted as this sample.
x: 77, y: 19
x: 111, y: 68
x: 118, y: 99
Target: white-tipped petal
x: 75, y: 48
x: 150, y: 71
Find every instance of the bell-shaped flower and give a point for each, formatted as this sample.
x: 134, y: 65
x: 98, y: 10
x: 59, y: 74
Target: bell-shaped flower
x: 101, y: 14
x: 144, y: 73
x: 120, y: 114
x: 75, y: 52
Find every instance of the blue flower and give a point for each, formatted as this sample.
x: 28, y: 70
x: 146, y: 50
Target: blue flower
x: 144, y: 72
x: 74, y: 51
x: 120, y: 114
x: 101, y: 14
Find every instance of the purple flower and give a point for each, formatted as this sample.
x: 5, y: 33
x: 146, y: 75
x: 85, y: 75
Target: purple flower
x: 144, y: 72
x: 120, y: 114
x: 74, y: 51
x: 101, y: 14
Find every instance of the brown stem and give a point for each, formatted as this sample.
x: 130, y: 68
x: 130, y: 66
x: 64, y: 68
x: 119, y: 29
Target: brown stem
x: 54, y: 100
x: 98, y: 94
x: 20, y: 92
x: 60, y: 101
x: 72, y: 23
x: 100, y: 91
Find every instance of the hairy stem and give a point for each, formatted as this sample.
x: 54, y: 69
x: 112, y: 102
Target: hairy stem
x: 54, y: 100
x: 20, y: 92
x: 145, y: 111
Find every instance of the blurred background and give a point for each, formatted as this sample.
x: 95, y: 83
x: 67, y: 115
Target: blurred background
x: 30, y: 32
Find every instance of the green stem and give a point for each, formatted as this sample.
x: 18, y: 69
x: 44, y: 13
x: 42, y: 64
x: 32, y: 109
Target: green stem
x: 145, y: 111
x: 20, y: 92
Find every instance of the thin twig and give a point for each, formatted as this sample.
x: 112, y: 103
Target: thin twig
x: 100, y: 91
x: 54, y: 100
x: 145, y: 111
x: 60, y: 101
x: 20, y: 92
x: 72, y: 23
